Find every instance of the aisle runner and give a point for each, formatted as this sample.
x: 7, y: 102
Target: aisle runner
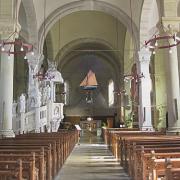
x: 91, y: 162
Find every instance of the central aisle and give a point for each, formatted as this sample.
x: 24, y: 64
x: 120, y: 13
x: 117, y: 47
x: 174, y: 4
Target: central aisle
x: 91, y: 160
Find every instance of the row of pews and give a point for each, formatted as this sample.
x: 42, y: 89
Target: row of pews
x: 35, y: 156
x: 145, y: 155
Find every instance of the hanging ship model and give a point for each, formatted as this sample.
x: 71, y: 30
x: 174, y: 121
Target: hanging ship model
x: 89, y: 84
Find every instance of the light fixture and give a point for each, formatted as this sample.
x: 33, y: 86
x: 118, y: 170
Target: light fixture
x: 120, y: 92
x: 7, y: 47
x: 13, y: 45
x: 22, y: 49
x: 135, y: 77
x: 2, y: 48
x: 156, y: 44
x: 40, y: 76
x: 89, y: 118
x: 162, y: 40
x: 170, y: 51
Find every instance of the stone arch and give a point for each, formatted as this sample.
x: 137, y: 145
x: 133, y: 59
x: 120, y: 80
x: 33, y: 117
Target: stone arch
x: 30, y: 21
x: 50, y: 46
x: 111, y: 88
x: 83, y: 6
x: 148, y: 23
x: 112, y: 58
x: 178, y: 9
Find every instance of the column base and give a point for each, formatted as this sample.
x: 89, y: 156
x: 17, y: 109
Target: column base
x: 9, y: 133
x: 173, y: 130
x: 147, y: 128
x: 37, y: 130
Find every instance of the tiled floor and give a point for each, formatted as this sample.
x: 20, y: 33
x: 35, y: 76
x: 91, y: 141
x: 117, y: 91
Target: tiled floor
x: 91, y: 160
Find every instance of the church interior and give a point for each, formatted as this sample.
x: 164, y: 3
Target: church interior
x: 89, y: 89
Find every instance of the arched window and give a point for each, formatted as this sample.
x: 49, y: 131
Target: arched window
x: 66, y: 90
x: 111, y: 92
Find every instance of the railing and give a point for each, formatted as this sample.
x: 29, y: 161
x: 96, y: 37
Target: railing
x: 16, y: 124
x: 29, y: 121
x: 37, y: 119
x: 43, y: 116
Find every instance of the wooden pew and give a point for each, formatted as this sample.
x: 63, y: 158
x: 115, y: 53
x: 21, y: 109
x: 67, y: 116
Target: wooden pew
x: 6, y: 170
x: 56, y: 148
x: 134, y: 152
x: 106, y: 132
x: 64, y: 144
x: 43, y: 154
x: 127, y: 148
x: 166, y: 168
x: 37, y: 163
x: 142, y: 162
x: 25, y: 169
x: 117, y: 146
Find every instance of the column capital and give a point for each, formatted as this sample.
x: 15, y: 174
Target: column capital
x: 170, y: 7
x: 171, y: 23
x: 144, y: 55
x: 7, y: 27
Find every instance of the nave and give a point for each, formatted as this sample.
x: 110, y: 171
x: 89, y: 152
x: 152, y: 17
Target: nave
x: 91, y: 160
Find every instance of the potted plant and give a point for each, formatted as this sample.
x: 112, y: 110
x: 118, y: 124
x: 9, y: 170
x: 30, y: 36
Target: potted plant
x: 129, y: 120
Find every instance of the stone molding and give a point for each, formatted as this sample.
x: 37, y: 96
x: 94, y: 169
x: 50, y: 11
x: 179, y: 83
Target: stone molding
x: 7, y: 27
x: 144, y: 55
x: 86, y: 5
x: 7, y: 133
x: 172, y: 23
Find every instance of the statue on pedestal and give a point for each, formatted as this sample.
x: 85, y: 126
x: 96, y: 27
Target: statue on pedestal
x: 22, y: 103
x: 48, y: 92
x: 38, y: 99
x: 14, y: 109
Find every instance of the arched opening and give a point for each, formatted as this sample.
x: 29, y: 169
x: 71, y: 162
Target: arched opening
x: 111, y: 93
x: 66, y: 92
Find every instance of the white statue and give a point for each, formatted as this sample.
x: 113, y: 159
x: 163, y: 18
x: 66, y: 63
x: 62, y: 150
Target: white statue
x: 44, y: 96
x: 31, y: 78
x: 22, y: 103
x: 32, y: 102
x: 38, y: 98
x: 52, y: 65
x: 14, y: 109
x: 48, y: 92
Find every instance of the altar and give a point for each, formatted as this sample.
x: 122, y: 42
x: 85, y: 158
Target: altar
x: 93, y: 126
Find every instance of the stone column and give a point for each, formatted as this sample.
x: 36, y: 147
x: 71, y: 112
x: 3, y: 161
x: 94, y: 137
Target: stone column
x: 173, y: 94
x: 49, y: 114
x: 37, y: 119
x: 22, y: 112
x: 145, y: 119
x: 6, y: 83
x: 52, y: 91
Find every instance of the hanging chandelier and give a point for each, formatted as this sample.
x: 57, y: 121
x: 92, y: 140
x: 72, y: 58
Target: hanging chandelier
x: 163, y: 40
x: 135, y: 77
x: 15, y: 46
x: 119, y: 92
x: 41, y: 76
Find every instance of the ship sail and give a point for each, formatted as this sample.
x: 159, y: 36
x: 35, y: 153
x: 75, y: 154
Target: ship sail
x: 89, y: 82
